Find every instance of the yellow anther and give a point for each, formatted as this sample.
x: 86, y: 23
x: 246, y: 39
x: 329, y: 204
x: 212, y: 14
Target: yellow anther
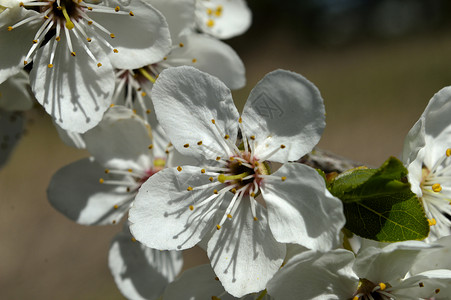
x: 356, y: 298
x: 252, y: 195
x: 181, y: 45
x: 217, y: 227
x: 216, y: 278
x: 50, y: 65
x: 283, y: 178
x: 218, y: 11
x: 114, y: 222
x: 35, y: 41
x: 89, y: 40
x: 218, y: 157
x: 112, y: 35
x: 194, y: 60
x: 73, y: 53
x: 213, y: 121
x: 25, y: 62
x: 115, y: 51
x: 179, y: 169
x: 144, y: 94
x: 99, y: 65
x: 148, y: 111
x: 89, y: 8
x: 436, y: 187
x: 211, y: 179
x: 199, y: 143
x: 202, y: 171
x: 233, y: 190
x: 112, y: 105
x: 383, y: 286
x: 420, y: 284
x: 437, y: 291
x: 215, y: 192
x: 189, y: 188
x: 165, y: 58
x: 191, y: 207
x: 209, y: 11
x: 128, y: 189
x: 10, y: 28
x: 58, y: 38
x: 210, y: 23
x: 448, y: 152
x: 131, y: 14
x: 130, y: 170
x: 116, y: 206
x: 133, y: 240
x: 186, y: 145
x: 229, y: 216
x: 150, y: 146
x: 252, y: 137
x: 46, y: 17
x: 117, y: 8
x: 89, y: 22
x: 227, y: 136
x: 240, y: 120
x: 255, y: 219
x: 101, y: 180
x: 107, y: 171
x: 432, y: 222
x: 282, y: 146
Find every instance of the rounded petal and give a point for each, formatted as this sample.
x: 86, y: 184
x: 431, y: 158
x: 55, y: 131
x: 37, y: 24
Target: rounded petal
x: 141, y: 39
x: 301, y: 210
x: 243, y: 253
x: 284, y: 108
x: 121, y: 140
x: 436, y: 258
x: 178, y: 13
x: 75, y: 92
x: 435, y: 284
x: 223, y: 18
x: 17, y: 42
x: 15, y: 94
x: 196, y: 283
x: 76, y: 192
x: 186, y: 101
x: 209, y: 55
x: 316, y: 276
x: 141, y: 272
x: 161, y: 217
x: 11, y: 129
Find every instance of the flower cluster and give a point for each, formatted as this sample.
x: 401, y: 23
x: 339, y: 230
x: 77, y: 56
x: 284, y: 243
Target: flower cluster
x: 145, y: 88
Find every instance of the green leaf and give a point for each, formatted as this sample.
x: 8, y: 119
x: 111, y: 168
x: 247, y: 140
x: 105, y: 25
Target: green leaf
x: 379, y: 205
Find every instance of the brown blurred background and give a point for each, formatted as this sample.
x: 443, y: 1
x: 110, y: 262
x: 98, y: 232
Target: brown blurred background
x: 376, y: 63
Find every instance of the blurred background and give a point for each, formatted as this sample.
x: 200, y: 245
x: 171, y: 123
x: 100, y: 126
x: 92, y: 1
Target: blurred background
x: 376, y: 62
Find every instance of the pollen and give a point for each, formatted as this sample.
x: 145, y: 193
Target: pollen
x: 448, y: 152
x: 213, y: 121
x: 218, y: 227
x: 283, y: 178
x: 117, y: 8
x: 186, y: 145
x: 73, y: 53
x: 252, y: 137
x: 202, y: 171
x: 252, y: 195
x: 436, y: 187
x: 99, y: 65
x: 130, y: 170
x: 112, y: 35
x: 215, y: 192
x: 233, y: 190
x: 218, y: 157
x: 229, y: 216
x: 194, y: 60
x: 210, y: 23
x: 432, y: 222
x: 133, y: 240
x: 181, y: 45
x: 116, y: 206
x: 50, y: 65
x: 112, y: 105
x: 211, y: 179
x: 131, y: 14
x: 89, y: 40
x: 282, y: 146
x: 420, y: 284
x: 101, y: 180
x: 115, y: 51
x: 199, y: 143
x: 25, y: 62
x: 148, y: 111
x: 114, y: 222
x: 227, y: 136
x: 144, y: 95
x: 356, y: 298
x: 179, y: 169
x: 437, y: 291
x: 255, y: 219
x: 58, y: 38
x: 383, y: 286
x: 107, y: 171
x: 191, y: 207
x: 209, y: 11
x: 190, y: 188
x: 240, y: 120
x: 35, y: 41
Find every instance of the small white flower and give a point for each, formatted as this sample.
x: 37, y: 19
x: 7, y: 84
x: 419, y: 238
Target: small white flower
x: 426, y: 153
x: 283, y: 119
x: 376, y: 273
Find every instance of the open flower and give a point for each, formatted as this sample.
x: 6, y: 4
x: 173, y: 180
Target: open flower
x: 426, y: 153
x: 74, y: 46
x: 376, y: 273
x: 283, y: 119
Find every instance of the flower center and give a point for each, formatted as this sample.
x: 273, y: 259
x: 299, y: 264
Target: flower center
x: 368, y: 290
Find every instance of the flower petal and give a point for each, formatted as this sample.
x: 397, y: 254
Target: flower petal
x: 435, y: 284
x: 161, y: 217
x: 15, y: 94
x: 243, y: 253
x: 186, y: 101
x: 75, y: 191
x: 141, y: 39
x: 301, y: 210
x: 316, y: 276
x: 284, y: 108
x: 121, y: 140
x: 209, y: 55
x: 141, y: 272
x: 178, y: 13
x: 75, y: 92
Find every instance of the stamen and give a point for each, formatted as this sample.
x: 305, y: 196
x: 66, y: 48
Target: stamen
x: 223, y: 178
x: 436, y: 187
x: 69, y: 24
x: 146, y: 75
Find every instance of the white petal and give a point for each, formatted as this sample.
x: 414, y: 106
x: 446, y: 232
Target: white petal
x: 17, y: 42
x: 243, y: 253
x: 435, y: 284
x: 390, y: 263
x: 70, y: 138
x: 15, y: 94
x: 75, y: 92
x: 161, y: 218
x: 11, y: 129
x: 186, y: 100
x: 178, y: 13
x: 301, y: 210
x: 141, y: 39
x: 234, y: 19
x: 209, y: 55
x: 197, y: 283
x: 437, y: 258
x: 121, y: 140
x: 141, y: 272
x: 76, y: 192
x: 316, y: 276
x: 284, y: 108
